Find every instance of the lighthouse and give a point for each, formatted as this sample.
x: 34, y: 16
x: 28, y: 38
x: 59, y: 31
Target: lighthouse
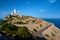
x: 14, y: 11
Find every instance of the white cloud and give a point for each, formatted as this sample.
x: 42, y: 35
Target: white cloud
x: 42, y: 10
x: 52, y: 1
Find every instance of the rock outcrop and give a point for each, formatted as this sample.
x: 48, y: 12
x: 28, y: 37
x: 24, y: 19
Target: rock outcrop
x: 37, y: 27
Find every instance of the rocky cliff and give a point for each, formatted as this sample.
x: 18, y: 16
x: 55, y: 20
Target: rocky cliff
x: 37, y: 27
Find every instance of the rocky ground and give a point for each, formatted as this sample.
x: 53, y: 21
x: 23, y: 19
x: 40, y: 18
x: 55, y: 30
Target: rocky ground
x: 36, y: 26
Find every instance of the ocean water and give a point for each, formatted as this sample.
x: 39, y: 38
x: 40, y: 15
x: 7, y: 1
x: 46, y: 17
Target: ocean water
x: 55, y: 21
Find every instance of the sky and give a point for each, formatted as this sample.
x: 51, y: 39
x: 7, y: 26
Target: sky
x: 35, y: 8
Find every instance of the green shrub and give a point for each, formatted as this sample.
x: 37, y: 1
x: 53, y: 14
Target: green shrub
x: 41, y: 25
x: 33, y: 21
x: 23, y: 32
x: 53, y: 34
x: 35, y: 30
x: 47, y: 35
x: 21, y: 22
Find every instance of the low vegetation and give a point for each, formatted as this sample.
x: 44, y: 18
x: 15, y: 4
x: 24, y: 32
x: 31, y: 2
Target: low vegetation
x: 47, y: 35
x: 34, y: 30
x: 20, y: 32
x: 21, y: 22
x: 41, y: 25
x: 33, y: 21
x: 52, y: 34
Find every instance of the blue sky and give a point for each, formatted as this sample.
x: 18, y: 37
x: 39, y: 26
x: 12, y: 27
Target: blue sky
x: 35, y: 8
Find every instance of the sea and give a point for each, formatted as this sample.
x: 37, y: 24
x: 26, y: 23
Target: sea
x: 56, y: 21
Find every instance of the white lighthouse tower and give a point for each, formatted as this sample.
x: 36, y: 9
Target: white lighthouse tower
x: 14, y: 11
